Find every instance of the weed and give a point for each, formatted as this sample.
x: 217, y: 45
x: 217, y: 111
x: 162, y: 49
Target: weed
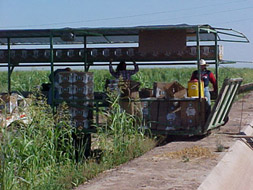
x: 32, y: 152
x: 220, y: 148
x: 120, y: 138
x: 41, y: 155
x: 185, y: 159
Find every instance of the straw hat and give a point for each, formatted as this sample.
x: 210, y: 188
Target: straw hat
x: 202, y: 62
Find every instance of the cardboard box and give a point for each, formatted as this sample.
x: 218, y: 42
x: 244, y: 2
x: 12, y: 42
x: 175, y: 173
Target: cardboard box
x: 9, y: 103
x: 191, y: 116
x: 5, y: 103
x: 126, y: 89
x: 83, y: 97
x: 131, y: 107
x: 12, y: 107
x: 75, y: 85
x: 66, y: 96
x: 85, y: 100
x: 127, y: 106
x: 82, y: 89
x: 80, y: 112
x: 64, y: 89
x: 129, y: 95
x: 81, y: 124
x: 81, y: 77
x: 81, y: 117
x: 169, y: 90
x: 64, y: 78
x: 129, y: 89
x: 74, y: 77
x: 146, y: 93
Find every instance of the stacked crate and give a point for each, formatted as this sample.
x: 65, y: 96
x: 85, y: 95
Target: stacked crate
x: 78, y: 87
x: 63, y: 85
x: 83, y: 87
x: 81, y: 117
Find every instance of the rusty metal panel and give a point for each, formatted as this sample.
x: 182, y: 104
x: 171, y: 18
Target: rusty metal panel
x: 223, y: 104
x: 155, y: 41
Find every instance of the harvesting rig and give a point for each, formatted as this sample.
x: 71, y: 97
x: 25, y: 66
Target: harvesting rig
x: 155, y: 46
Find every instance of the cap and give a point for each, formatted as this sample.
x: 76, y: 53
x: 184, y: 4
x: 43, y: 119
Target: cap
x: 202, y: 62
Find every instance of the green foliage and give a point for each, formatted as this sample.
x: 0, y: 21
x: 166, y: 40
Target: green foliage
x: 23, y: 80
x: 27, y: 80
x: 40, y: 154
x: 31, y: 153
x: 120, y: 138
x: 148, y: 76
x: 100, y: 77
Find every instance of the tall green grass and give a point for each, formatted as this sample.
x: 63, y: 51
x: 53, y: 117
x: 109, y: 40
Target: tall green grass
x: 148, y: 76
x: 27, y: 80
x: 32, y: 153
x: 23, y: 80
x: 41, y: 154
x: 121, y: 137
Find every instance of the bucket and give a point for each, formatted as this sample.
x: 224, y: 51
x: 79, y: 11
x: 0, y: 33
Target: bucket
x: 193, y: 89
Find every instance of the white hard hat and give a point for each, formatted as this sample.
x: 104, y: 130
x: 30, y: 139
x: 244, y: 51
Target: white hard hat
x: 202, y: 62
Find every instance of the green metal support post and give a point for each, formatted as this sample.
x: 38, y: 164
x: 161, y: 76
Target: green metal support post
x: 9, y: 65
x: 97, y: 110
x: 52, y: 72
x: 199, y: 74
x: 198, y: 58
x: 86, y: 67
x: 216, y: 60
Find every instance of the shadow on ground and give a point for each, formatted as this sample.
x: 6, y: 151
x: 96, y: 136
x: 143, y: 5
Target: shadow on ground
x: 165, y: 139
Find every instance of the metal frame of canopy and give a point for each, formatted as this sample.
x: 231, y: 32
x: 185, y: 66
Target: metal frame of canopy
x: 108, y: 36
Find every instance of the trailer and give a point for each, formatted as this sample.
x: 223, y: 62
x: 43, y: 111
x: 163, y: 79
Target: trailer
x: 155, y: 46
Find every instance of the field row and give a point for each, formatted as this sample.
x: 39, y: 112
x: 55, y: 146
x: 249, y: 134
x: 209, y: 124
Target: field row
x: 27, y: 80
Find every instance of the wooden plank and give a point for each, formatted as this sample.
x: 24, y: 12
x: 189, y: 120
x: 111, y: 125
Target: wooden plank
x: 246, y: 87
x: 223, y: 103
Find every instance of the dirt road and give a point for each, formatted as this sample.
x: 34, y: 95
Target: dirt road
x: 162, y: 169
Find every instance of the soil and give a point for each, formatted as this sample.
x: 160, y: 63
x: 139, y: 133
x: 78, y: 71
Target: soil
x: 167, y: 167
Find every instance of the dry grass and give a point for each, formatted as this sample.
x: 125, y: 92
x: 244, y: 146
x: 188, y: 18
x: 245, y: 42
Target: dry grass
x: 190, y: 152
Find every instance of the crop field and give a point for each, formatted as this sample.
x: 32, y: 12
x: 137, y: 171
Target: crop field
x: 41, y: 155
x: 28, y: 80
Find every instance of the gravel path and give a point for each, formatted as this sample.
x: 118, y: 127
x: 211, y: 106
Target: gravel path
x: 159, y: 170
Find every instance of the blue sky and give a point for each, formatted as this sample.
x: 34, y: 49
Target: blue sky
x: 235, y: 14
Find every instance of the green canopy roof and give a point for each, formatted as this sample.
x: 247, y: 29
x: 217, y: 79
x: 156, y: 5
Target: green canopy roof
x: 101, y: 35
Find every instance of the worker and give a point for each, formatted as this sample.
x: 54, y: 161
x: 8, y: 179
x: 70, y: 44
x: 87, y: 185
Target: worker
x: 121, y: 70
x: 206, y: 76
